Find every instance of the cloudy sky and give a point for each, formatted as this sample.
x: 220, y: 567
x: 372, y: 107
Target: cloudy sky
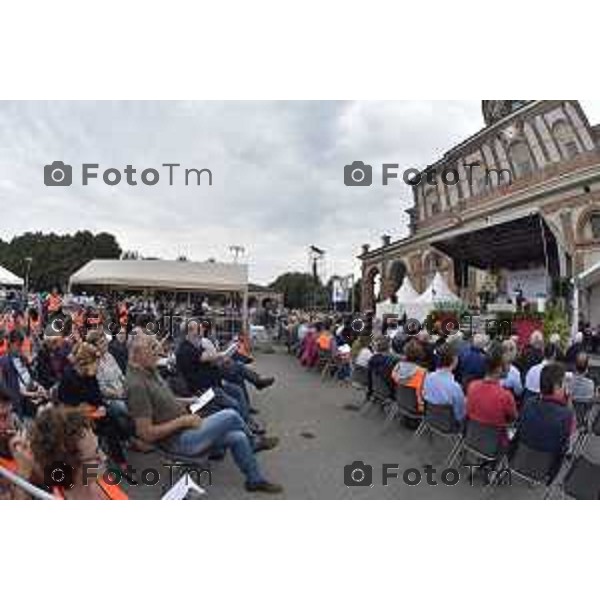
x: 277, y: 173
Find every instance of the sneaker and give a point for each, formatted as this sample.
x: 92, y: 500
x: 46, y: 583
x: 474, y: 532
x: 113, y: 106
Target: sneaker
x: 264, y: 487
x: 266, y: 443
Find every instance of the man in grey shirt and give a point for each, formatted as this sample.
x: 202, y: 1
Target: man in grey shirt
x: 582, y: 386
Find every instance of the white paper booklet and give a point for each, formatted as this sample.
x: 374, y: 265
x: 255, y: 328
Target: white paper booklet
x: 181, y: 489
x: 202, y: 401
x: 231, y: 349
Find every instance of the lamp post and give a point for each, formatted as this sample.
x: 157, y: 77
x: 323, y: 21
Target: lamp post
x: 28, y: 261
x: 314, y: 256
x: 350, y: 279
x: 237, y: 251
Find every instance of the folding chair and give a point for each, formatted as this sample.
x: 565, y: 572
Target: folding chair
x: 327, y: 364
x: 360, y: 377
x: 380, y: 393
x: 404, y: 404
x: 581, y: 482
x: 582, y: 412
x: 586, y: 415
x: 439, y: 420
x: 533, y: 466
x: 360, y: 381
x: 483, y: 442
x: 595, y: 427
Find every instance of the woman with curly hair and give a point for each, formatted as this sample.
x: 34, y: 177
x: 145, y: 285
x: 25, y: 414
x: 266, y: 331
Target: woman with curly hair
x: 65, y: 448
x: 79, y: 390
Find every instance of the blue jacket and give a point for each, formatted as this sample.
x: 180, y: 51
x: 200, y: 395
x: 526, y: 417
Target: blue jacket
x: 546, y: 425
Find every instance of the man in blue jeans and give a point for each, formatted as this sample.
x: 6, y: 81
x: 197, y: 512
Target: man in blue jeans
x: 200, y: 372
x: 160, y: 418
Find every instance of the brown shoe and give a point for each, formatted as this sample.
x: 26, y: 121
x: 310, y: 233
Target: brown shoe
x: 265, y: 487
x: 266, y: 443
x: 264, y: 382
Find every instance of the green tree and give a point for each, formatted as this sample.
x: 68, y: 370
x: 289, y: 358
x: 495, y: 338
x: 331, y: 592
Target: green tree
x: 54, y: 258
x: 301, y: 290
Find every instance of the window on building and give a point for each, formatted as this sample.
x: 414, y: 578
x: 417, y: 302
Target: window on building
x: 595, y: 225
x: 521, y: 159
x: 432, y: 201
x: 565, y: 138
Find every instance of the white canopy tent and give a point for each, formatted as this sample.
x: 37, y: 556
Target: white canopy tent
x: 406, y: 293
x: 8, y: 278
x: 437, y: 291
x: 406, y: 297
x: 163, y: 275
x: 171, y: 275
x: 588, y: 284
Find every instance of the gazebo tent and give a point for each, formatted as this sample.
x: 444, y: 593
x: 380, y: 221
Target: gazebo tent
x: 163, y: 275
x: 406, y: 293
x: 8, y: 278
x: 588, y: 284
x: 437, y: 291
x: 406, y: 297
x: 172, y: 275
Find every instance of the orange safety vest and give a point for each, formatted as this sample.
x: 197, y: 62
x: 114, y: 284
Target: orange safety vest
x: 9, y: 464
x: 416, y: 382
x: 26, y: 348
x: 324, y: 341
x: 112, y: 492
x: 54, y: 303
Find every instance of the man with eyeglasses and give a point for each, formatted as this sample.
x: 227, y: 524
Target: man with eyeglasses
x: 160, y: 418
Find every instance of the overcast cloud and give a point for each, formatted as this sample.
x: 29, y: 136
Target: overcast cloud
x: 277, y: 173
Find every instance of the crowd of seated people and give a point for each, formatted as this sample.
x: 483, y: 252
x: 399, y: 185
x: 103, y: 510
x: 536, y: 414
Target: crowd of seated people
x: 75, y: 394
x: 526, y: 391
x: 324, y: 338
x: 482, y: 382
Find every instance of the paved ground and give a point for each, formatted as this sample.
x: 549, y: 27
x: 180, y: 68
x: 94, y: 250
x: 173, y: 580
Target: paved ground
x: 319, y: 436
